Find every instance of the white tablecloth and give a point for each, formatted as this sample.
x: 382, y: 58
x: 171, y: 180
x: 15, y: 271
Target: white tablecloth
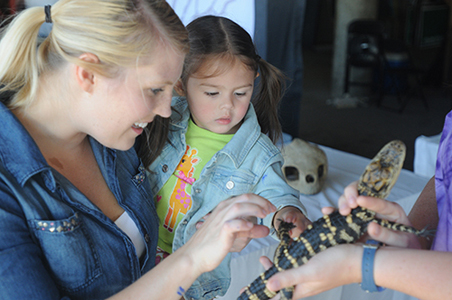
x: 343, y: 169
x: 425, y: 151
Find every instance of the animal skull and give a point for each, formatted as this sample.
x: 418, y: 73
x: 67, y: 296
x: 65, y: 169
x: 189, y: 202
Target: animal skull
x: 305, y: 167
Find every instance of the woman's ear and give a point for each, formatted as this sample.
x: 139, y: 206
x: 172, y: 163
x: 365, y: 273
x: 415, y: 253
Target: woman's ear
x: 179, y: 88
x: 85, y: 77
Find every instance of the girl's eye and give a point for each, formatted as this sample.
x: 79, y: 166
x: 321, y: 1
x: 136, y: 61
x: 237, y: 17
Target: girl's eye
x: 240, y: 94
x: 211, y: 93
x: 157, y: 91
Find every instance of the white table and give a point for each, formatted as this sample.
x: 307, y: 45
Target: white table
x: 343, y: 169
x: 425, y: 151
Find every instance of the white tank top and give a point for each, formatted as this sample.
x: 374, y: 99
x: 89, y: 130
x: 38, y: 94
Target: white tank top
x: 126, y: 224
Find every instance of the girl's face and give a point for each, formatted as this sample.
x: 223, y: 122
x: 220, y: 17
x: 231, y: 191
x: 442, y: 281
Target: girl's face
x: 123, y: 106
x: 220, y: 103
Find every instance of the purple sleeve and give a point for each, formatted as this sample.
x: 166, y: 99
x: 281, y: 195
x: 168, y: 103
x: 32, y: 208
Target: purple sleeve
x: 443, y: 176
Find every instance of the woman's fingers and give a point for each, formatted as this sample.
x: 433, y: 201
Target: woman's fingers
x: 327, y: 210
x: 393, y: 238
x: 255, y: 199
x: 246, y: 205
x: 320, y: 272
x: 348, y: 200
x: 387, y: 210
x: 227, y: 228
x: 265, y: 262
x: 290, y: 278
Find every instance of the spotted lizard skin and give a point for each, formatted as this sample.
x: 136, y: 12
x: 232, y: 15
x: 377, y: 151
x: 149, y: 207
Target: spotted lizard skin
x: 334, y: 229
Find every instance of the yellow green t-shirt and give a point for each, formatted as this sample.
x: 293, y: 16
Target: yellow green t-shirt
x: 174, y: 199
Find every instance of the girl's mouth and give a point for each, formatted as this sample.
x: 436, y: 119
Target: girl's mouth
x: 224, y: 121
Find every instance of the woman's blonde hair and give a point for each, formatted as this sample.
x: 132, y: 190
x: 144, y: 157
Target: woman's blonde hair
x: 118, y: 32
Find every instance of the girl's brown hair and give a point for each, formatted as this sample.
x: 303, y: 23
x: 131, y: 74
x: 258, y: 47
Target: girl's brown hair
x: 213, y: 38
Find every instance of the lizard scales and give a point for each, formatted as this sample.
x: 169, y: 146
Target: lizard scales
x: 377, y: 180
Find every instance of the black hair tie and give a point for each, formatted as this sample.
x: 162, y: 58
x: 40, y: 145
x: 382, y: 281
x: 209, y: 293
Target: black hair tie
x: 47, y: 11
x: 258, y: 58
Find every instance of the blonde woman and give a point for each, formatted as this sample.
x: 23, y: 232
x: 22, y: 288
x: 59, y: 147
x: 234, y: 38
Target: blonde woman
x: 76, y: 213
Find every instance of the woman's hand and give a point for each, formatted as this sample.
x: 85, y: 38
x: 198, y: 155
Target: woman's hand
x: 341, y: 264
x: 227, y: 223
x: 334, y: 267
x: 385, y: 210
x: 243, y: 238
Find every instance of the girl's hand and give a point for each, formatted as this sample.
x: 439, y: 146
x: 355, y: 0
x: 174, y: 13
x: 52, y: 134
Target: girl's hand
x: 385, y: 210
x: 293, y: 215
x: 227, y: 223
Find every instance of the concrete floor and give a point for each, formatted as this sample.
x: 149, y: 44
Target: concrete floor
x: 363, y: 130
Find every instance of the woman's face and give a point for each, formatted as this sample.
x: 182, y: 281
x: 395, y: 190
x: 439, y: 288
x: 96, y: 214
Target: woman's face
x: 123, y: 106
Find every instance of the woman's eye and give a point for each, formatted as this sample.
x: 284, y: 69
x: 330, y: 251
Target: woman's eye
x: 157, y: 91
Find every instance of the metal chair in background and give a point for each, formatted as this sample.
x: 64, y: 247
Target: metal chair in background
x: 364, y: 51
x: 392, y: 68
x: 402, y: 77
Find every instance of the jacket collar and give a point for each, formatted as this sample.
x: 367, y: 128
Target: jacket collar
x: 19, y: 153
x: 246, y: 136
x: 244, y: 140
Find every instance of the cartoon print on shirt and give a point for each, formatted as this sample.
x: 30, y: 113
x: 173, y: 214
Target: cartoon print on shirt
x: 180, y: 200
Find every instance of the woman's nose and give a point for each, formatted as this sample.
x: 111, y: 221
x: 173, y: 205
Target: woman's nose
x: 163, y: 107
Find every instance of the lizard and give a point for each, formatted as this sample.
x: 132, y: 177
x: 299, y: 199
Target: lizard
x: 330, y: 230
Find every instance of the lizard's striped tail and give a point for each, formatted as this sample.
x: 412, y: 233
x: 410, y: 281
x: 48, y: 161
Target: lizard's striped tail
x: 257, y: 290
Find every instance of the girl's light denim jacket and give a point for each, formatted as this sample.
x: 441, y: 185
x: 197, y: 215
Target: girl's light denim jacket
x: 249, y: 163
x: 54, y: 243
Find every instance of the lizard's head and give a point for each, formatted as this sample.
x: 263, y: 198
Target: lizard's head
x: 284, y: 228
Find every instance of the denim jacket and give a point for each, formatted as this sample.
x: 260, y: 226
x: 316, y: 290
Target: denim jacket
x: 54, y: 243
x: 249, y: 163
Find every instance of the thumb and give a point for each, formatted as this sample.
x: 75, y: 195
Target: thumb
x: 265, y: 262
x: 284, y: 279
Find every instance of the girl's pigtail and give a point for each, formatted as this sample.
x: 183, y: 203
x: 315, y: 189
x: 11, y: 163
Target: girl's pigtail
x: 271, y: 87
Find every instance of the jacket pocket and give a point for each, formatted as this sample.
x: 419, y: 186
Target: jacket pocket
x: 68, y: 251
x: 233, y: 183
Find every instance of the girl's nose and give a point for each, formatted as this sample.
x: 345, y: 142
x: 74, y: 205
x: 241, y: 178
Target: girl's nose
x: 228, y: 102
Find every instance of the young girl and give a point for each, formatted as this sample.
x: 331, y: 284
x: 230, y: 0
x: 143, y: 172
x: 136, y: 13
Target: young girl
x: 219, y: 146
